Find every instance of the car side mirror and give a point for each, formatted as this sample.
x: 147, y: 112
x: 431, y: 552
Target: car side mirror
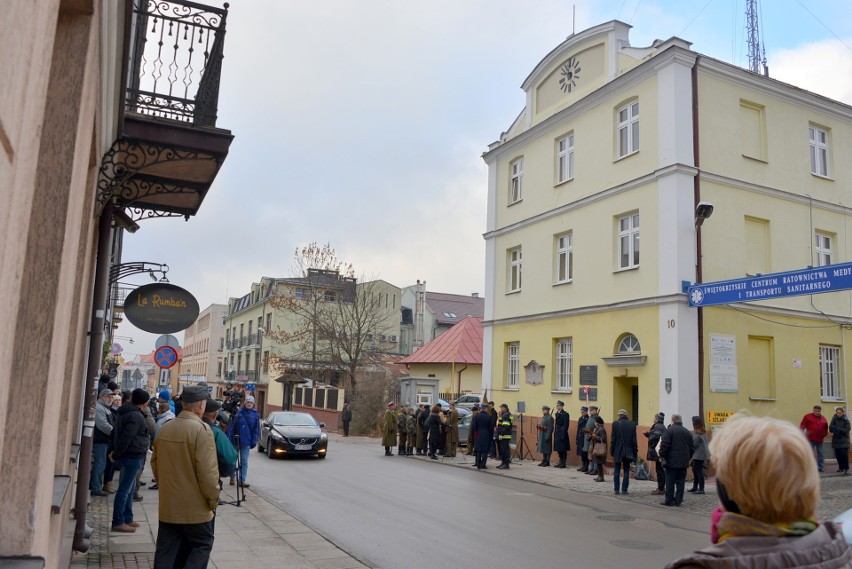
x: 322, y: 425
x: 266, y: 423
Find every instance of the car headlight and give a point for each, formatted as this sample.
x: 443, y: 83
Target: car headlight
x: 323, y: 437
x: 276, y: 435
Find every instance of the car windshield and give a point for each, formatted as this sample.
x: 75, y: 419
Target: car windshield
x: 293, y: 420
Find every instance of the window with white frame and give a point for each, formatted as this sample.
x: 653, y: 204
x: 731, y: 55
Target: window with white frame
x: 564, y: 363
x: 829, y: 372
x: 822, y: 249
x: 513, y: 365
x: 515, y: 258
x: 628, y: 129
x: 818, y: 140
x: 628, y: 241
x: 564, y: 258
x: 565, y: 158
x: 516, y: 181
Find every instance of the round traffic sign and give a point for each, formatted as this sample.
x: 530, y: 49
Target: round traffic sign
x: 165, y: 357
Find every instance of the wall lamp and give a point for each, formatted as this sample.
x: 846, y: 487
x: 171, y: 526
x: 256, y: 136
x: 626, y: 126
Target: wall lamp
x: 703, y: 211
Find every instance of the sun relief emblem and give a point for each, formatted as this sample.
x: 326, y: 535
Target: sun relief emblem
x: 570, y: 73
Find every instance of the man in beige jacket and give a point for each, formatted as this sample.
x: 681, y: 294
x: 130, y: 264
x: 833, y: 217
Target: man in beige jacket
x: 185, y: 466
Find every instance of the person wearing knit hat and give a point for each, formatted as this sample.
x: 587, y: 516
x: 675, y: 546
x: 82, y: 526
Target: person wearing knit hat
x: 654, y: 435
x: 244, y: 433
x: 166, y: 397
x: 131, y: 446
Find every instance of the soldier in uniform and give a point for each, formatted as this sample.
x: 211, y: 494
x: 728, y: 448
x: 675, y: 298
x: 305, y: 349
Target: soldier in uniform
x: 452, y: 432
x: 403, y: 432
x: 389, y: 429
x: 411, y: 428
x: 561, y: 443
x: 582, y: 451
x: 545, y: 436
x: 590, y: 431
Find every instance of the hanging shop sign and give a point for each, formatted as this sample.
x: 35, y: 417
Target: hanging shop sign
x: 161, y: 308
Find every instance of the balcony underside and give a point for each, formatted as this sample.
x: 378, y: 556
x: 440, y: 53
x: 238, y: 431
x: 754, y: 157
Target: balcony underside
x: 159, y: 167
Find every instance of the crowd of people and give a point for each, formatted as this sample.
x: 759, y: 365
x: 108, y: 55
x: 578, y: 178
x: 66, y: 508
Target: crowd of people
x: 195, y: 445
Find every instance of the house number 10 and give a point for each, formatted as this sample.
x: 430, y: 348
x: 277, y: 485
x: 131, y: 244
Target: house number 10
x: 670, y: 323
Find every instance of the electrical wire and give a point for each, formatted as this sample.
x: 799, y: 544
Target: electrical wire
x: 695, y: 17
x: 634, y: 12
x: 747, y: 313
x: 823, y: 25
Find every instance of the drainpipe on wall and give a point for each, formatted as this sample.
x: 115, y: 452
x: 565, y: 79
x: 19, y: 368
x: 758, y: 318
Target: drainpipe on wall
x: 93, y: 368
x: 698, y: 264
x: 459, y: 374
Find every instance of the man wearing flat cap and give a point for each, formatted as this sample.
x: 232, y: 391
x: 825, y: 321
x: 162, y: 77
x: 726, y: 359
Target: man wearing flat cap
x: 186, y: 469
x: 561, y: 442
x: 624, y: 449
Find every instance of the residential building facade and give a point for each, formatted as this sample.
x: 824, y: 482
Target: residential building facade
x: 426, y: 315
x: 615, y: 148
x: 203, y: 346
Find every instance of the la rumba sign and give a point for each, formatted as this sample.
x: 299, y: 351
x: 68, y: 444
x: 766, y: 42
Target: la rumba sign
x: 161, y: 308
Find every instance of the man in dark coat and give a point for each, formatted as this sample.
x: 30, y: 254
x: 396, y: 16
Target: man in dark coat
x: 346, y: 418
x: 483, y: 427
x: 624, y: 449
x: 676, y: 449
x: 561, y: 442
x: 494, y: 416
x: 130, y: 448
x: 421, y: 421
x: 654, y: 435
x: 544, y: 445
x: 580, y: 439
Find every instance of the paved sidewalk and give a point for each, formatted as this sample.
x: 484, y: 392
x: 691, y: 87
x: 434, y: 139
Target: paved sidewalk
x: 255, y: 534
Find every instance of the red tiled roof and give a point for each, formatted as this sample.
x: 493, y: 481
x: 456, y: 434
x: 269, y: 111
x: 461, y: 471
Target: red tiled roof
x: 460, y: 344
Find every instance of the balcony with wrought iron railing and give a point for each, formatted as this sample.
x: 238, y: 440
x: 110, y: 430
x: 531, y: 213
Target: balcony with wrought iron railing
x: 169, y: 150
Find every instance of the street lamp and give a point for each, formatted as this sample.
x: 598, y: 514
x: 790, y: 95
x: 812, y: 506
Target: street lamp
x: 702, y: 212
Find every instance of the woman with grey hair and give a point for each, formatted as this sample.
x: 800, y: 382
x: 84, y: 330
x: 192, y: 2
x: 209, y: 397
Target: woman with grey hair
x: 768, y: 494
x: 839, y: 429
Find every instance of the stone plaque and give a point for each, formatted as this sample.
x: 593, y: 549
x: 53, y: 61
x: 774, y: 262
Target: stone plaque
x: 535, y: 373
x: 588, y: 375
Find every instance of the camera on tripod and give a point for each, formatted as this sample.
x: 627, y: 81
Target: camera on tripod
x: 233, y: 400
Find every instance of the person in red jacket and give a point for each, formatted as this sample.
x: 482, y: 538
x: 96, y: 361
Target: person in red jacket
x: 815, y: 428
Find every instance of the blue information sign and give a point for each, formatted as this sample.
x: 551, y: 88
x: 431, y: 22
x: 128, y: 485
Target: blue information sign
x: 249, y: 387
x: 775, y: 285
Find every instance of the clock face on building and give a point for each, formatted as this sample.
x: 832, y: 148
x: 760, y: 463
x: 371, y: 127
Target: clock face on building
x: 569, y: 74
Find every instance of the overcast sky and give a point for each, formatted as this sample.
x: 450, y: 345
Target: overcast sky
x: 362, y: 123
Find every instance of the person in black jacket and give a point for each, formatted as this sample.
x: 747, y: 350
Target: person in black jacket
x: 561, y: 442
x: 421, y: 420
x: 676, y: 449
x: 839, y: 430
x: 131, y: 447
x: 624, y: 449
x: 581, y: 438
x: 482, y: 426
x: 433, y: 426
x: 654, y: 435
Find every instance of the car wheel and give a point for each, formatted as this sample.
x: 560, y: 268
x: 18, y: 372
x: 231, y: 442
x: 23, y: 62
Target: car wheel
x: 260, y: 447
x: 270, y: 449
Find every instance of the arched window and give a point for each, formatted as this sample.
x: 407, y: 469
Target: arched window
x: 629, y: 344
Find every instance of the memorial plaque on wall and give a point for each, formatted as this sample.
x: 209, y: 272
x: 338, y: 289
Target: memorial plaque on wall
x: 588, y: 375
x: 593, y: 394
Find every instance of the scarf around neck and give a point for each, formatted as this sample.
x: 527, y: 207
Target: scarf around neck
x: 738, y: 525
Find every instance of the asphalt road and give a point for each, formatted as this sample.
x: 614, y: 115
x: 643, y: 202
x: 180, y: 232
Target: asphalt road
x: 400, y: 513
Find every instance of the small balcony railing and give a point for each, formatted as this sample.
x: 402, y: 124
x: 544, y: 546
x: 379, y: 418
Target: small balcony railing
x: 176, y: 60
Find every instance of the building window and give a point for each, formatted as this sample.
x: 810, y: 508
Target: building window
x: 628, y: 129
x: 516, y: 183
x: 514, y: 276
x: 513, y: 365
x: 564, y: 258
x: 819, y: 151
x: 829, y: 372
x: 628, y: 241
x: 564, y: 363
x: 303, y: 293
x: 822, y: 249
x: 629, y: 344
x: 565, y: 159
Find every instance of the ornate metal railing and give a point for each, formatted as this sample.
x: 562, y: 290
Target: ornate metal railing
x: 176, y: 60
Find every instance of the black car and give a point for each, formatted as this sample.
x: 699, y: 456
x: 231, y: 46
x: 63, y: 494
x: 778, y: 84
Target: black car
x: 285, y: 433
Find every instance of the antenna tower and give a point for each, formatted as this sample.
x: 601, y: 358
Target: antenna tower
x: 756, y: 52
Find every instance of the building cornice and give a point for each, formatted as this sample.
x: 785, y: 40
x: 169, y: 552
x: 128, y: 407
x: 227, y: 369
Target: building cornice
x: 773, y: 192
x: 588, y: 200
x: 678, y: 298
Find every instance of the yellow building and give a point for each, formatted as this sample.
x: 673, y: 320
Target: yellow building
x: 575, y: 181
x: 268, y: 332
